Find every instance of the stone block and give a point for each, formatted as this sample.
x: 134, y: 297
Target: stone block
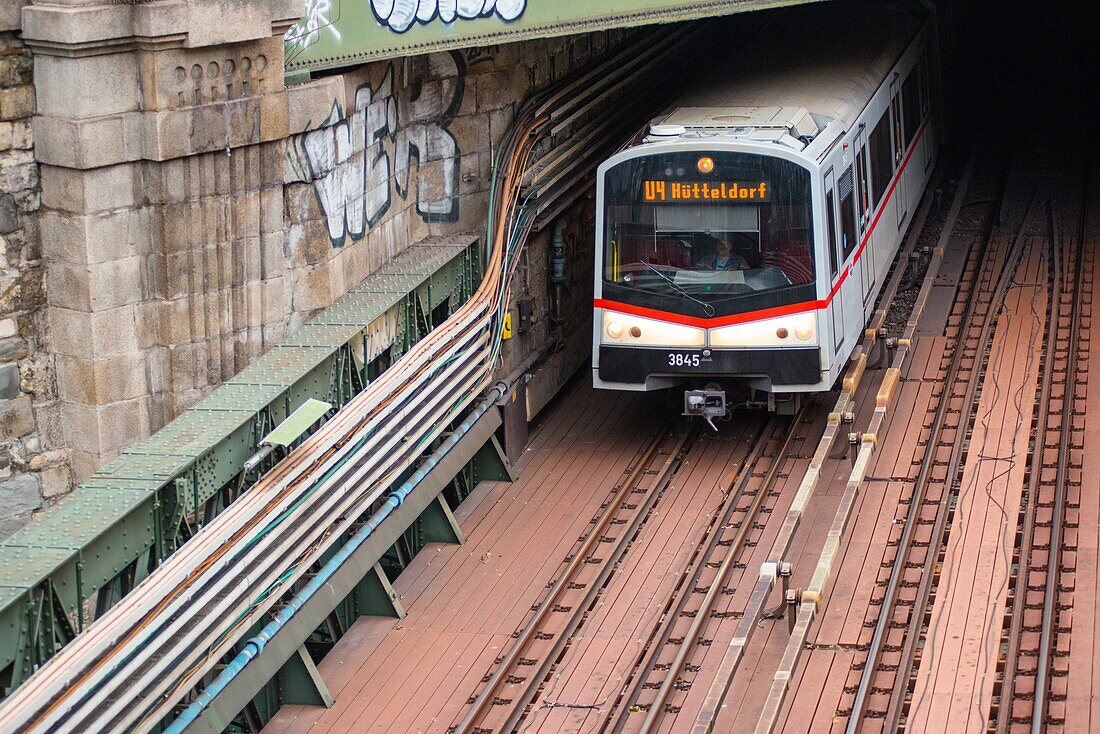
x: 83, y: 464
x: 18, y: 171
x: 68, y: 286
x: 105, y: 429
x: 19, y: 496
x: 16, y: 418
x: 93, y: 335
x: 94, y: 190
x: 99, y: 382
x: 87, y: 86
x: 17, y: 103
x: 9, y: 214
x: 311, y: 103
x: 8, y: 328
x: 115, y: 283
x: 9, y: 380
x: 47, y: 416
x: 60, y: 24
x: 101, y: 141
x: 22, y: 137
x: 55, y: 481
x: 6, y: 131
x: 11, y: 14
x: 12, y: 348
x: 96, y: 238
x: 274, y: 117
x: 471, y: 133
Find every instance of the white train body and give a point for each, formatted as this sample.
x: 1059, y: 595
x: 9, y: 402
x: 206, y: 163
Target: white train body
x: 746, y: 238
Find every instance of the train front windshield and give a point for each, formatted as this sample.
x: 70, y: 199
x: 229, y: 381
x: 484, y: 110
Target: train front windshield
x: 708, y: 234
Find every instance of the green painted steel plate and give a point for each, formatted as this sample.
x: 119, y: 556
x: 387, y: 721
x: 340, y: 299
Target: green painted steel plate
x: 299, y: 421
x: 323, y: 335
x: 335, y: 34
x: 397, y: 285
x: 245, y: 394
x: 27, y: 567
x: 78, y: 519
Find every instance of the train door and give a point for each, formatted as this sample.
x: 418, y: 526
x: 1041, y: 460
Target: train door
x: 863, y: 216
x: 836, y: 308
x: 900, y: 200
x: 849, y: 239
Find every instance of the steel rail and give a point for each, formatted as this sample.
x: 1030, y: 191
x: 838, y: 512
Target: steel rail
x: 1008, y: 685
x: 732, y: 656
x: 656, y: 709
x: 859, y: 705
x: 534, y: 679
x: 1057, y: 523
x: 901, y: 681
x: 884, y: 401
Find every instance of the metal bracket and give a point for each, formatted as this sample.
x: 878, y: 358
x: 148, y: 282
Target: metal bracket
x: 438, y: 524
x: 302, y: 682
x: 375, y: 596
x: 491, y: 463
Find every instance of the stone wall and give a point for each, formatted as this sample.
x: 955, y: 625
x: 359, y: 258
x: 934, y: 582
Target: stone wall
x: 194, y: 210
x: 33, y: 464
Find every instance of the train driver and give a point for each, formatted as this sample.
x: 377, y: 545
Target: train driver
x: 726, y: 259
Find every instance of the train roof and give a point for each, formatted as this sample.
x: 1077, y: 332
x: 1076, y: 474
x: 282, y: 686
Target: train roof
x: 781, y: 76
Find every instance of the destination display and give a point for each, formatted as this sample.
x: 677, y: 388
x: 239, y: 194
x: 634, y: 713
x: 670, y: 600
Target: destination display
x: 702, y: 191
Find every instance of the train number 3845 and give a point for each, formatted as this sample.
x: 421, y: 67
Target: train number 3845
x: 681, y: 359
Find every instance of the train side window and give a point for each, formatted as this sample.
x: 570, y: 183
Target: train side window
x: 895, y: 117
x: 882, y: 167
x: 922, y: 71
x: 830, y: 219
x: 863, y: 193
x: 910, y: 98
x: 848, y: 236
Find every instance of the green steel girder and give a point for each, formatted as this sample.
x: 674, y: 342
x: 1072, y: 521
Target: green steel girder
x: 344, y: 33
x: 359, y: 587
x: 107, y: 535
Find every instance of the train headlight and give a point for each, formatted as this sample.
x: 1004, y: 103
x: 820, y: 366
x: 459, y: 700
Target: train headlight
x: 705, y: 164
x: 775, y: 332
x: 621, y: 328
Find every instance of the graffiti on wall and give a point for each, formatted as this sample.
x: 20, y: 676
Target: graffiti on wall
x: 354, y: 160
x: 399, y: 15
x: 307, y: 30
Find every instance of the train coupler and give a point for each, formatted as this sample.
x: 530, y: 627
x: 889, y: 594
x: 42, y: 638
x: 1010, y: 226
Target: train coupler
x: 707, y: 404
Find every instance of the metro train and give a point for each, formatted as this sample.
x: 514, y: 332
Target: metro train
x: 741, y: 241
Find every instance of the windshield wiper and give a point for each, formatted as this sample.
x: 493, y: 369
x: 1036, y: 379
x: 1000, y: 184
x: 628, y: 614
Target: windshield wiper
x: 707, y: 308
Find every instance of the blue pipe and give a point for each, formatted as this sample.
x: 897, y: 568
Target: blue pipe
x: 256, y: 645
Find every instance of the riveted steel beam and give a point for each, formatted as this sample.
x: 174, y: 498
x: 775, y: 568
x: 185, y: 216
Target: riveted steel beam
x: 350, y: 32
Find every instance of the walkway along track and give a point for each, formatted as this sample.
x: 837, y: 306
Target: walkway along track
x: 1038, y: 614
x: 903, y: 616
x: 691, y: 609
x: 508, y: 693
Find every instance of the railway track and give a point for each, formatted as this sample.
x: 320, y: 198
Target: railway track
x: 1028, y: 696
x: 509, y: 692
x: 666, y: 664
x: 881, y: 698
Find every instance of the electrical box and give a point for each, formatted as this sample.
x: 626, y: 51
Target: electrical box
x: 526, y: 309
